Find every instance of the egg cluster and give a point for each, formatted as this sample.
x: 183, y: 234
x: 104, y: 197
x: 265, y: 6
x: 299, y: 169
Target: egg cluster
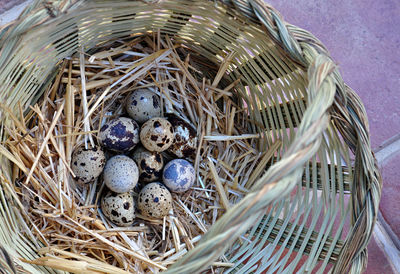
x: 138, y: 144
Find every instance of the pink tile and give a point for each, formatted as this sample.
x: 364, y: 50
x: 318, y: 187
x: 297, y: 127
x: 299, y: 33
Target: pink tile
x: 390, y: 206
x: 364, y: 39
x: 8, y: 4
x: 377, y: 261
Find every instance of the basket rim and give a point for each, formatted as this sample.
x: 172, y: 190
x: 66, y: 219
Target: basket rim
x: 345, y: 107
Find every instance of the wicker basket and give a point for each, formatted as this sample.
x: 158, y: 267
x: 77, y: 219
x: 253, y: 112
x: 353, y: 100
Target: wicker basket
x: 315, y: 207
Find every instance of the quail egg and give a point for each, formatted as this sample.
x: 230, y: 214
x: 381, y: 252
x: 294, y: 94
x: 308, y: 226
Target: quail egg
x: 142, y: 105
x: 120, y: 134
x: 119, y: 208
x: 157, y: 134
x: 150, y: 164
x: 179, y: 175
x: 121, y: 174
x: 185, y: 139
x: 87, y: 164
x: 155, y: 200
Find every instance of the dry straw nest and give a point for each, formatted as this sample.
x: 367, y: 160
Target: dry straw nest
x: 286, y: 180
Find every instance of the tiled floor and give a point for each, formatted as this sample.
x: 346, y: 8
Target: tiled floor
x: 363, y: 37
x: 8, y: 4
x: 10, y: 9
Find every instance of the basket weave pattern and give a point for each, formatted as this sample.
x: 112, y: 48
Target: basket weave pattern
x: 330, y: 108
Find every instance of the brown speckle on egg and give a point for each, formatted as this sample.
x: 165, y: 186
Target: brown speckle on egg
x: 184, y: 143
x: 87, y: 164
x: 119, y: 208
x: 155, y: 134
x: 142, y: 105
x: 155, y: 200
x: 150, y: 164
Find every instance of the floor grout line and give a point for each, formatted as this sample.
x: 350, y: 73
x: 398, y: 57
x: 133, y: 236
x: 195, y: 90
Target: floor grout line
x: 385, y: 243
x: 388, y: 229
x: 384, y: 236
x: 389, y: 149
x: 13, y: 13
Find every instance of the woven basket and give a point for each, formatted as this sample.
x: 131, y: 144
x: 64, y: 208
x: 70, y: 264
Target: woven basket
x: 314, y: 208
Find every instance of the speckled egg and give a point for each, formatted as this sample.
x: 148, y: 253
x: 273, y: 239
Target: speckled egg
x: 120, y: 134
x: 150, y: 164
x: 155, y: 200
x: 185, y: 138
x: 179, y: 175
x: 87, y: 164
x: 157, y: 134
x: 142, y: 105
x: 119, y: 208
x: 121, y: 174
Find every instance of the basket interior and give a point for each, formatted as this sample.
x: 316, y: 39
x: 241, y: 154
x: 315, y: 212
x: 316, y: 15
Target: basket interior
x: 303, y: 230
